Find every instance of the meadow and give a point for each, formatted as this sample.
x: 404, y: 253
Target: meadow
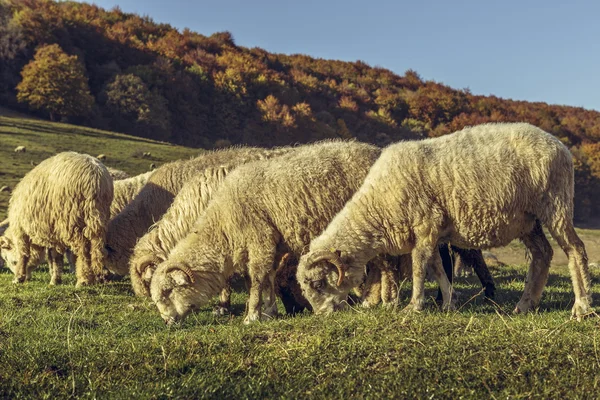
x: 103, y: 342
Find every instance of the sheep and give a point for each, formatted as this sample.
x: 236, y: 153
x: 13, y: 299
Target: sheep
x: 62, y: 203
x: 263, y: 211
x: 20, y: 149
x: 477, y: 188
x: 125, y: 191
x: 117, y: 174
x: 101, y: 157
x: 154, y: 247
x: 157, y: 195
x: 5, y: 189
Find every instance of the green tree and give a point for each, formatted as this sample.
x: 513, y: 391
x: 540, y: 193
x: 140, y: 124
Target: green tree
x: 55, y: 82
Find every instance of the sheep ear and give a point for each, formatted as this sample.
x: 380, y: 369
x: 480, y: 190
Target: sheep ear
x: 5, y: 243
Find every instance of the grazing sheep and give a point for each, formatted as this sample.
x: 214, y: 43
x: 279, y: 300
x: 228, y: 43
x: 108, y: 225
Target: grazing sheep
x: 154, y: 247
x: 152, y: 166
x: 101, y: 157
x: 117, y: 174
x: 20, y: 149
x: 125, y: 191
x: 4, y: 189
x: 146, y: 154
x: 477, y: 188
x: 263, y: 211
x: 157, y: 195
x: 62, y: 203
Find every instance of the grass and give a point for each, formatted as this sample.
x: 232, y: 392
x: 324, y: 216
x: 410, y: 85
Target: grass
x: 44, y: 139
x: 104, y: 342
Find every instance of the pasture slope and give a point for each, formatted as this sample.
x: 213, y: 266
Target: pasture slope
x: 44, y: 139
x: 102, y: 342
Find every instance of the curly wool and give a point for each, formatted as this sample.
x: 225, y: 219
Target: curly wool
x: 62, y: 203
x: 125, y: 191
x: 157, y: 195
x: 477, y: 188
x: 263, y: 211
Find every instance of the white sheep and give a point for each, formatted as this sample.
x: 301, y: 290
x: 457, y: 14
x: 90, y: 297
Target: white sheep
x: 263, y: 211
x: 154, y: 247
x: 62, y: 203
x: 125, y: 191
x: 477, y: 188
x: 157, y: 195
x: 117, y: 174
x: 20, y: 149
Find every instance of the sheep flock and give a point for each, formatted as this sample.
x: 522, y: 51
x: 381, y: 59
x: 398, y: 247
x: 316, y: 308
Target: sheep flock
x: 316, y: 225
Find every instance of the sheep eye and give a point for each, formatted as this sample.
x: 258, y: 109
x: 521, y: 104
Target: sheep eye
x: 317, y: 284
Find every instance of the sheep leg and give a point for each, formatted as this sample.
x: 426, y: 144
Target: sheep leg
x: 271, y: 297
x: 441, y: 277
x: 422, y: 256
x: 475, y: 259
x: 55, y: 264
x: 258, y: 276
x: 539, y: 267
x: 72, y: 261
x: 563, y: 232
x: 448, y: 265
x: 371, y: 292
x: 224, y: 304
x: 85, y: 275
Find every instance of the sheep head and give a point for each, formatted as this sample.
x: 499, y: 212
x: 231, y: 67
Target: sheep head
x: 325, y: 279
x: 177, y: 290
x: 144, y: 270
x: 8, y: 253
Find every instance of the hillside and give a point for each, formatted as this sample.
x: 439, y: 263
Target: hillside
x: 44, y: 139
x: 152, y: 80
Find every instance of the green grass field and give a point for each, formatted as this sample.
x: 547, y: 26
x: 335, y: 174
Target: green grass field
x: 102, y: 342
x: 44, y: 139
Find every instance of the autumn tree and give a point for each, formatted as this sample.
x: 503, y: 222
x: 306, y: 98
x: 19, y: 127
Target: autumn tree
x: 55, y: 82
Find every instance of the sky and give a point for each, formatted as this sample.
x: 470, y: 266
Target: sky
x: 529, y: 50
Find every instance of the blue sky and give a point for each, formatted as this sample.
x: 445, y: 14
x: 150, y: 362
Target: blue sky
x: 524, y: 50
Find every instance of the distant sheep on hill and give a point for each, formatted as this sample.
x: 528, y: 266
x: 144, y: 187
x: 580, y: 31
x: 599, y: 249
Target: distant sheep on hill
x: 157, y: 195
x: 20, y: 149
x: 477, y: 188
x: 63, y: 203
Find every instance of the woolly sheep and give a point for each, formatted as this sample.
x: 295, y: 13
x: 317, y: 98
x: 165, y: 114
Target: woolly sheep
x: 477, y: 188
x: 117, y: 174
x: 157, y: 195
x: 62, y: 203
x: 125, y: 191
x: 154, y: 247
x: 20, y: 149
x: 101, y: 157
x: 263, y: 211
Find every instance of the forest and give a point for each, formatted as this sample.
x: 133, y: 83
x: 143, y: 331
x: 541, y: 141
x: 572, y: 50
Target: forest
x: 107, y: 69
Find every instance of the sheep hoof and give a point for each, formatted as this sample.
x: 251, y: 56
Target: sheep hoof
x: 413, y: 307
x: 54, y: 282
x: 366, y: 304
x: 581, y: 309
x: 221, y: 310
x: 18, y: 279
x: 250, y: 318
x: 83, y: 283
x: 523, y: 306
